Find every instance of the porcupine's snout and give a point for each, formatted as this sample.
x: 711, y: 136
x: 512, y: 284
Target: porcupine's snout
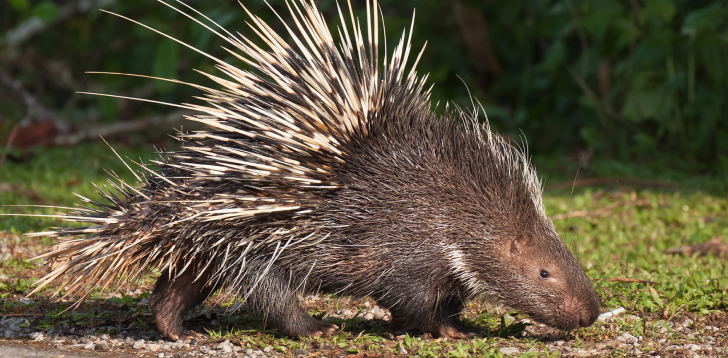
x: 579, y: 314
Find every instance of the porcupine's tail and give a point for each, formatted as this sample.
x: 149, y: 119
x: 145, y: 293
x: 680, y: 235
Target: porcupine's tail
x: 274, y: 136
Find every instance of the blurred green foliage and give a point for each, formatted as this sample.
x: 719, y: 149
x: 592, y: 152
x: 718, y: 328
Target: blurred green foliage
x: 633, y: 81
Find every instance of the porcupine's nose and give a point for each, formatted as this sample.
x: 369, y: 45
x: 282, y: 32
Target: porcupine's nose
x: 589, y: 313
x: 586, y: 318
x: 577, y: 313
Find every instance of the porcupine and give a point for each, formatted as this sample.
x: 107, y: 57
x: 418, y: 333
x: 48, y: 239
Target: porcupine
x: 324, y: 171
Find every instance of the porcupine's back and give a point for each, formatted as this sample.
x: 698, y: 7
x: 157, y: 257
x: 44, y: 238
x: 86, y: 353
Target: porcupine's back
x: 321, y: 163
x: 251, y: 182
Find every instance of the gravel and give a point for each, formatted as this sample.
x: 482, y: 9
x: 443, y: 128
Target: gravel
x: 509, y: 350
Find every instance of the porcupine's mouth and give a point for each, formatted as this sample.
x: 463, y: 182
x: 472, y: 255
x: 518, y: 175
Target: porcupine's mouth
x: 568, y: 317
x: 560, y: 323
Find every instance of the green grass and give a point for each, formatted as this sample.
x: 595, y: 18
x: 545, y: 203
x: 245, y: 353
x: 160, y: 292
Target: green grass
x: 618, y: 234
x: 628, y: 242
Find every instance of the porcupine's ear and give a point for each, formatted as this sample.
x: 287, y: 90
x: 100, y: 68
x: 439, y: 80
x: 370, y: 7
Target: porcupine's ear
x: 521, y: 243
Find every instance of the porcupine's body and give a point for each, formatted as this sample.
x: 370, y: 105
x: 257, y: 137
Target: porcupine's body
x: 325, y: 172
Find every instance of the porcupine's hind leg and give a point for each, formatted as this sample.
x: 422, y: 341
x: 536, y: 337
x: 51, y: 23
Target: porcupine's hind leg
x: 274, y: 300
x: 172, y: 298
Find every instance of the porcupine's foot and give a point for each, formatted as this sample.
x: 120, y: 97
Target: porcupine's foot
x: 442, y: 327
x: 307, y: 326
x: 278, y: 306
x: 171, y: 299
x: 455, y: 330
x: 283, y: 312
x: 442, y: 323
x: 447, y: 324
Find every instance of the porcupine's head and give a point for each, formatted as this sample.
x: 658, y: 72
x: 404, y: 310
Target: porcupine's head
x: 523, y: 263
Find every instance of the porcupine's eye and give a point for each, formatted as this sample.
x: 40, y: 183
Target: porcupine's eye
x: 544, y: 274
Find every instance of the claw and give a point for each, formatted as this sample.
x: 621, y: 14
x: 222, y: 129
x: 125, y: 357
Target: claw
x: 324, y: 330
x: 456, y: 333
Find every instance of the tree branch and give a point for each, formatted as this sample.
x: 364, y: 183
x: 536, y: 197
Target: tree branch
x: 28, y: 28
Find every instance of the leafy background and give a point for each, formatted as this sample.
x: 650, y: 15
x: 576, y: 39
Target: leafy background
x: 626, y: 88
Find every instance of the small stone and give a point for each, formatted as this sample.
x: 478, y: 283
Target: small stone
x: 402, y: 350
x: 160, y: 355
x: 346, y: 313
x: 607, y: 315
x: 140, y: 344
x: 300, y: 352
x: 154, y: 347
x: 37, y: 336
x: 693, y: 347
x: 89, y: 346
x: 378, y: 312
x: 662, y: 341
x: 225, y: 346
x: 509, y: 350
x: 205, y: 349
x: 105, y: 337
x: 267, y: 349
x: 102, y: 346
x: 369, y: 316
x: 627, y: 338
x: 14, y: 325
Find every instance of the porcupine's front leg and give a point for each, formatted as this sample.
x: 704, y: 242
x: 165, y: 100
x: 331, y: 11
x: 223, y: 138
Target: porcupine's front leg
x: 438, y: 317
x: 172, y: 298
x: 274, y: 301
x: 448, y: 324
